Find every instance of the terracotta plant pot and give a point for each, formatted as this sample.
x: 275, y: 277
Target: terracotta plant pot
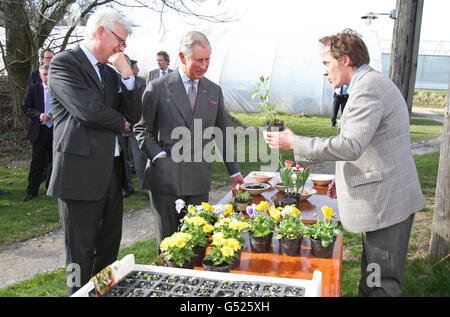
x: 242, y: 207
x: 260, y: 244
x: 199, y: 252
x: 290, y: 247
x: 319, y: 251
x: 237, y: 260
x: 186, y: 265
x: 209, y: 266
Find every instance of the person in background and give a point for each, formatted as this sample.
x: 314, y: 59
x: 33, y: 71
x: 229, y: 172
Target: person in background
x: 36, y: 106
x: 376, y: 182
x: 163, y: 60
x: 90, y: 103
x: 340, y: 99
x: 183, y: 100
x: 135, y: 154
x: 45, y: 58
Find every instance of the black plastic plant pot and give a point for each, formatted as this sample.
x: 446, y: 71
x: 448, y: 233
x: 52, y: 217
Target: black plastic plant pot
x: 237, y: 260
x: 199, y: 252
x: 209, y: 266
x: 260, y: 244
x: 290, y: 247
x: 186, y: 265
x: 320, y: 251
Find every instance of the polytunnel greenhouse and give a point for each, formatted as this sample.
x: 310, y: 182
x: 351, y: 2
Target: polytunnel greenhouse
x: 292, y: 60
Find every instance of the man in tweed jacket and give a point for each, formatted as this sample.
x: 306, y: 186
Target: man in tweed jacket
x: 376, y: 184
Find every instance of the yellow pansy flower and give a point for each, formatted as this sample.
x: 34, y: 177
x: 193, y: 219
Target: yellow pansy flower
x: 295, y: 211
x: 208, y: 228
x: 218, y: 238
x: 327, y: 212
x: 262, y: 205
x: 274, y: 213
x: 191, y: 208
x: 207, y: 207
x: 232, y: 243
x: 227, y: 251
x: 181, y: 244
x: 228, y: 210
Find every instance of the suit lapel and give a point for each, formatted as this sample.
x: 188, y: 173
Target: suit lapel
x: 201, y: 103
x: 87, y: 66
x: 178, y: 95
x: 40, y: 96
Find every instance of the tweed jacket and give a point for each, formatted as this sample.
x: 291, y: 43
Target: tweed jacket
x: 376, y: 180
x: 166, y: 114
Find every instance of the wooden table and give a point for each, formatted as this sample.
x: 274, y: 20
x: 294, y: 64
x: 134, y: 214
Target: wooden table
x: 273, y: 263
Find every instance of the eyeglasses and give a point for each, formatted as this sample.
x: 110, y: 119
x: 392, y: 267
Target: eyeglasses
x: 121, y: 40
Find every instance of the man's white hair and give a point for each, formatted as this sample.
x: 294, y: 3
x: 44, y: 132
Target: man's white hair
x: 190, y: 39
x: 108, y: 18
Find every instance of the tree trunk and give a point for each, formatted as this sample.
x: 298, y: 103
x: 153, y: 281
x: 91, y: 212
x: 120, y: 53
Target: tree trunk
x: 405, y: 47
x: 440, y: 236
x: 17, y: 59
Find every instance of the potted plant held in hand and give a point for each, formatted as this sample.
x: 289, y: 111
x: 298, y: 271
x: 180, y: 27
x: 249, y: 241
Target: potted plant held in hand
x: 290, y: 231
x: 267, y: 109
x: 222, y: 253
x: 323, y: 234
x: 178, y: 250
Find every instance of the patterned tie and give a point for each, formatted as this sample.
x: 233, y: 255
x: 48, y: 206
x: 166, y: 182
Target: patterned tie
x: 192, y: 94
x: 163, y: 73
x: 101, y: 68
x: 49, y: 123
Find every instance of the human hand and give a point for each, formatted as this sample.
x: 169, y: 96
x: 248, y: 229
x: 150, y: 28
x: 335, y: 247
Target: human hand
x: 283, y: 140
x: 331, y: 192
x: 44, y: 117
x: 127, y: 126
x: 120, y: 62
x: 238, y: 179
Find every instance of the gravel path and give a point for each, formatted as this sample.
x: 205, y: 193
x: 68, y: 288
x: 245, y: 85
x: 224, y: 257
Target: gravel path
x: 43, y: 254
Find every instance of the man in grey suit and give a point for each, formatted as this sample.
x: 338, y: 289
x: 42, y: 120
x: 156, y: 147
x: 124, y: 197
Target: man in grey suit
x: 376, y: 184
x: 177, y: 109
x: 163, y: 60
x: 90, y: 102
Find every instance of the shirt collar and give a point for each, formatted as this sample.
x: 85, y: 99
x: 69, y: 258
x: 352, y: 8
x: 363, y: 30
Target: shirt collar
x: 354, y: 78
x: 184, y: 78
x: 89, y: 55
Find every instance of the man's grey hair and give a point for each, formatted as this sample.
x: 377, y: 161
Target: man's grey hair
x: 108, y: 18
x: 190, y: 39
x: 44, y: 67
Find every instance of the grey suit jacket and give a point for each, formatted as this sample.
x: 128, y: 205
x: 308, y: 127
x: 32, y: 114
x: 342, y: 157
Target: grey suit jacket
x: 86, y: 123
x: 154, y: 74
x: 376, y: 180
x: 167, y: 118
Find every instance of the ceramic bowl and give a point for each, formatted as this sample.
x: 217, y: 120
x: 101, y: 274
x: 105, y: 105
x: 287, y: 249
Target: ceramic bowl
x: 321, y: 179
x: 262, y: 177
x: 250, y: 187
x: 279, y: 186
x: 308, y: 192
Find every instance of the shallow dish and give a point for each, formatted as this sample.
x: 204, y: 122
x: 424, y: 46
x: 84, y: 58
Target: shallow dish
x: 321, y: 179
x: 308, y: 192
x: 279, y: 186
x: 251, y: 188
x: 262, y: 177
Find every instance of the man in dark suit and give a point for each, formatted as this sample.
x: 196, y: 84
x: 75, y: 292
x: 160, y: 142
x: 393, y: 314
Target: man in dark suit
x: 90, y: 102
x: 163, y: 60
x: 134, y: 152
x: 183, y: 101
x: 45, y: 58
x: 36, y: 107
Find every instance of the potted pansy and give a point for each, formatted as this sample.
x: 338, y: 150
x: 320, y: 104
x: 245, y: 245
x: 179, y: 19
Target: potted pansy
x: 267, y: 109
x: 205, y: 210
x: 233, y: 227
x: 323, y: 233
x: 290, y: 230
x: 200, y: 230
x: 221, y: 255
x: 261, y: 228
x: 177, y: 250
x: 294, y: 179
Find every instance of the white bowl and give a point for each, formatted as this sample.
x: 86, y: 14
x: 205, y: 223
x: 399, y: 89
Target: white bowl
x: 321, y: 179
x: 255, y: 191
x: 262, y: 177
x: 307, y: 192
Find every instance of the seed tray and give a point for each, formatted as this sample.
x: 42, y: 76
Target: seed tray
x: 151, y: 284
x: 135, y: 280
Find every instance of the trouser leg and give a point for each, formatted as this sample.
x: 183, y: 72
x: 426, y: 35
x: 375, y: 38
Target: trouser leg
x: 383, y: 260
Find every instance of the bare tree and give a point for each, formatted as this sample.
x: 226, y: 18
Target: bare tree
x: 30, y: 26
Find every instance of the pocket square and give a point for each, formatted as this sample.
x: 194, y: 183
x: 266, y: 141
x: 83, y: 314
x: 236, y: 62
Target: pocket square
x: 212, y: 103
